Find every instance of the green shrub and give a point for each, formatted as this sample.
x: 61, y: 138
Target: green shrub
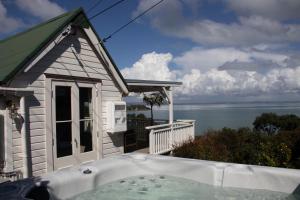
x: 207, y: 148
x: 248, y: 146
x: 244, y: 146
x: 274, y: 155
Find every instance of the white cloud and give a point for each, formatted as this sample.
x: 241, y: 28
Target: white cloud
x: 44, y: 9
x: 8, y: 24
x: 275, y: 9
x: 151, y: 66
x: 257, y: 65
x: 249, y: 30
x: 242, y: 83
x: 206, y: 59
x: 213, y: 82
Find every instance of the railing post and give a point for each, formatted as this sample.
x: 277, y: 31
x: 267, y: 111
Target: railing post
x: 171, y: 143
x: 171, y: 117
x: 193, y: 130
x: 151, y: 141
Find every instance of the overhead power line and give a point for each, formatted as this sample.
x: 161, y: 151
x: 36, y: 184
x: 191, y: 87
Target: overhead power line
x: 106, y: 9
x: 80, y: 21
x: 128, y: 23
x: 94, y: 6
x: 99, y: 13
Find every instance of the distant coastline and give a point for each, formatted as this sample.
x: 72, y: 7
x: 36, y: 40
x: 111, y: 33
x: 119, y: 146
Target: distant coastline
x: 220, y: 115
x: 234, y: 102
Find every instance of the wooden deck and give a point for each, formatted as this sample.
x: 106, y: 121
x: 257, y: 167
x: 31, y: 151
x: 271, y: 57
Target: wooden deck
x: 144, y: 150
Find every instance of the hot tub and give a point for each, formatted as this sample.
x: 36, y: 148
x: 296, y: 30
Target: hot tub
x: 138, y: 169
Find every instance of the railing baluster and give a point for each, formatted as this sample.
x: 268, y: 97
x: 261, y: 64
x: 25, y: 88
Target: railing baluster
x: 167, y: 139
x: 163, y: 140
x: 157, y: 146
x: 150, y: 142
x: 159, y: 141
x: 174, y: 137
x: 155, y: 141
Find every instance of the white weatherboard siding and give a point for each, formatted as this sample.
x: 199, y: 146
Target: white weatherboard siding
x: 73, y: 56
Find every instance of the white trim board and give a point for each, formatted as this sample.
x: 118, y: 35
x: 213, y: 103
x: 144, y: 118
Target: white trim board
x: 97, y: 45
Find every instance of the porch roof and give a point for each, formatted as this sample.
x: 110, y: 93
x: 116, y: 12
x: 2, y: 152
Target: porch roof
x: 135, y: 85
x: 15, y: 91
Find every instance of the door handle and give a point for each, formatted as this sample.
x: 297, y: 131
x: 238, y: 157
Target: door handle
x: 76, y: 143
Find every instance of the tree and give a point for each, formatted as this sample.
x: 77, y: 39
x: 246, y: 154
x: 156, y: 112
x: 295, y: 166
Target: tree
x: 271, y: 123
x: 153, y: 99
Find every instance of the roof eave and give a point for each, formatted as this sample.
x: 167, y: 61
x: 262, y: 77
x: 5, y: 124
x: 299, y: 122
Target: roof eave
x: 16, y: 91
x: 140, y: 86
x: 152, y: 83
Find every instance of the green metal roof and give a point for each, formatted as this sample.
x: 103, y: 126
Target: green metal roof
x: 17, y: 50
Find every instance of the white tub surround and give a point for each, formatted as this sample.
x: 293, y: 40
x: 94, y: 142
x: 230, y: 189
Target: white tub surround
x: 69, y: 182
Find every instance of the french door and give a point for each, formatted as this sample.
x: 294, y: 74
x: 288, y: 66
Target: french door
x: 73, y: 117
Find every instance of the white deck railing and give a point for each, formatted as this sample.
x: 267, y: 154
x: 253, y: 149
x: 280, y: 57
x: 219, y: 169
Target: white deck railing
x: 163, y: 138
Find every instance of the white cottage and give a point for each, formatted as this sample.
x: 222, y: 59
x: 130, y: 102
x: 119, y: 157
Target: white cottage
x: 56, y: 83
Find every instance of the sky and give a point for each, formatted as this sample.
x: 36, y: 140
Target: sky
x: 221, y: 50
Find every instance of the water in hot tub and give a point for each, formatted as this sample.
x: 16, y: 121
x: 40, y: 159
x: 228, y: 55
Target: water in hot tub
x: 161, y: 187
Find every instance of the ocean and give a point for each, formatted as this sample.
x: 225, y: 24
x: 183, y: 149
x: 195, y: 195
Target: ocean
x: 217, y: 116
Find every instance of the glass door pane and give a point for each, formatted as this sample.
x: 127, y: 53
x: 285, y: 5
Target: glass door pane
x: 63, y: 121
x: 86, y: 119
x: 2, y: 139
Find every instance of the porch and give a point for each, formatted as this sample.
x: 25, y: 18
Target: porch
x: 163, y: 135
